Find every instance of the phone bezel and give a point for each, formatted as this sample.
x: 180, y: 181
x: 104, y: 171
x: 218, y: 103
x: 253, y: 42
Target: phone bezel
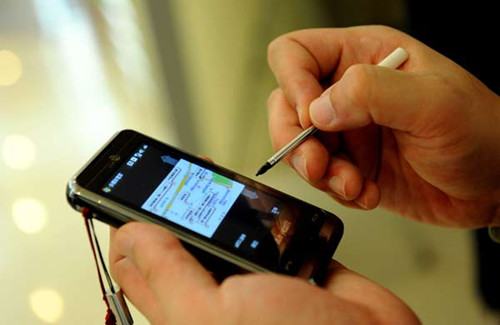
x: 99, y: 169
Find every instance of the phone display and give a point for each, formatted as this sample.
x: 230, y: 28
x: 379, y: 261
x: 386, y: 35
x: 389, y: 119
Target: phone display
x: 218, y: 211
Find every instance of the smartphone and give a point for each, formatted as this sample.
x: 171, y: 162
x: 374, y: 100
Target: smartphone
x: 228, y: 221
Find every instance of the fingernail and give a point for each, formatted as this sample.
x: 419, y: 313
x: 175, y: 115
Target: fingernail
x: 322, y: 111
x: 298, y: 162
x: 299, y: 110
x: 326, y: 92
x: 337, y: 185
x: 361, y: 202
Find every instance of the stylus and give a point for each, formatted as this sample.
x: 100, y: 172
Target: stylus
x: 393, y: 60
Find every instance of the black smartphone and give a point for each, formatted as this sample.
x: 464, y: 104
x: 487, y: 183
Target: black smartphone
x: 228, y: 221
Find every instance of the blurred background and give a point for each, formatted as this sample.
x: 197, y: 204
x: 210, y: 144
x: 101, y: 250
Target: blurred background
x: 192, y: 73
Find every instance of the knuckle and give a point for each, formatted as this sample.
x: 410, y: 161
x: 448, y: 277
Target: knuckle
x: 118, y: 271
x: 277, y: 47
x: 230, y: 300
x: 233, y: 283
x: 274, y: 97
x: 357, y: 85
x: 384, y: 29
x: 172, y: 243
x: 274, y: 46
x: 174, y: 258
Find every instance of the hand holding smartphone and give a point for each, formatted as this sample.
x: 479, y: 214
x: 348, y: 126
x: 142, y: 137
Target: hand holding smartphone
x: 225, y: 219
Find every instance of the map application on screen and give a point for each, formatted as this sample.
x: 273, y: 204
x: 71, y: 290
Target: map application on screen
x: 193, y: 197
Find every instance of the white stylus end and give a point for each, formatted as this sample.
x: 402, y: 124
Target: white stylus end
x: 395, y: 59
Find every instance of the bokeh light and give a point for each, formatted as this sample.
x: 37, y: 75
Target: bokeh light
x: 18, y: 151
x: 29, y: 215
x: 11, y: 68
x: 47, y: 304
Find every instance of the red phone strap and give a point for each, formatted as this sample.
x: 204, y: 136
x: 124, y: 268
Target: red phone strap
x: 110, y: 318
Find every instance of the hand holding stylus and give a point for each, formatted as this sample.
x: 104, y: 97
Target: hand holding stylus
x: 421, y: 140
x: 393, y: 60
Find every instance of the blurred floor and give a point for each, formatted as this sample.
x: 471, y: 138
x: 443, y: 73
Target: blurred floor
x: 72, y: 73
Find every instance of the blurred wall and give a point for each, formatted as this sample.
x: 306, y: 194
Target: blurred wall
x: 223, y: 49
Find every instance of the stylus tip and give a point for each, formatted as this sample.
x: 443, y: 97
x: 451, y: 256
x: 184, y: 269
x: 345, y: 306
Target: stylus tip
x: 264, y: 169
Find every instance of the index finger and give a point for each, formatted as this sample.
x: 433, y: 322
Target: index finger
x: 299, y: 61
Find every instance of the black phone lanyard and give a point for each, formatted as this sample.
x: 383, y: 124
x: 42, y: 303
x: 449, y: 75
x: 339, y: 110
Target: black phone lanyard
x: 117, y: 310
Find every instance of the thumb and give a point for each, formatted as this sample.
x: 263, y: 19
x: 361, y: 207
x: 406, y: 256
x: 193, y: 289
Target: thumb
x: 367, y: 94
x: 170, y: 271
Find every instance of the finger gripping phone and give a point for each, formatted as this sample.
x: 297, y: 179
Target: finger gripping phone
x: 226, y: 220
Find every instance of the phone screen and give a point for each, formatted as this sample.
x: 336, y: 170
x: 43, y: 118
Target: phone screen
x: 233, y: 215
